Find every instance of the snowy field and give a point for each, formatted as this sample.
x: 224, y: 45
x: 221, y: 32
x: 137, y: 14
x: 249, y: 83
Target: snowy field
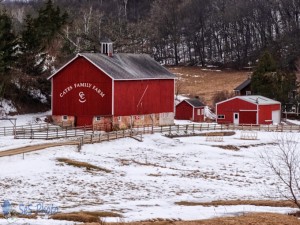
x: 147, y: 178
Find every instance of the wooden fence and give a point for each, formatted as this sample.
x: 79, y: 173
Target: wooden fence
x: 46, y: 131
x: 11, y: 130
x: 108, y: 136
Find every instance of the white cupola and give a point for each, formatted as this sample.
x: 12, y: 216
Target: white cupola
x: 106, y: 47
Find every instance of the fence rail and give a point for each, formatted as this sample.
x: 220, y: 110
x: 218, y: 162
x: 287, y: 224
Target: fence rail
x: 11, y: 130
x: 48, y: 131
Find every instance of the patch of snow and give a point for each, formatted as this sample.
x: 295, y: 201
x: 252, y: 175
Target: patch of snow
x: 209, y: 114
x: 211, y: 70
x: 296, y: 122
x: 6, y: 107
x: 26, y: 119
x: 147, y: 179
x: 37, y: 94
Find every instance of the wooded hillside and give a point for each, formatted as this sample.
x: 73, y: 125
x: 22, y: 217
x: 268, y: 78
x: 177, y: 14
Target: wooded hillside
x: 42, y: 35
x: 223, y: 32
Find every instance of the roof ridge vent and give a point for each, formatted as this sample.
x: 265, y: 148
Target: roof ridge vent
x: 107, y: 47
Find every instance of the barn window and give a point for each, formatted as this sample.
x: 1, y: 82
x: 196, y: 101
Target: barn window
x: 198, y: 112
x: 142, y: 117
x: 64, y: 118
x: 248, y: 92
x: 221, y: 116
x: 119, y: 118
x: 98, y: 118
x: 202, y: 111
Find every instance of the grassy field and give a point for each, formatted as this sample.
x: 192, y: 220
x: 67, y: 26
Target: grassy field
x: 247, y: 219
x: 196, y: 81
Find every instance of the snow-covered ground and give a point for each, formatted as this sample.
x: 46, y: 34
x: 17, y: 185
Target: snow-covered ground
x: 147, y: 178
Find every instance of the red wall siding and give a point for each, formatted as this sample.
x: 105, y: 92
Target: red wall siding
x: 265, y: 113
x: 81, y: 71
x: 247, y: 117
x: 139, y: 97
x: 198, y: 118
x: 235, y: 105
x: 184, y: 111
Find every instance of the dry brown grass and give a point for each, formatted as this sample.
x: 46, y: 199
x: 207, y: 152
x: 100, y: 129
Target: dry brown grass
x: 85, y: 165
x: 84, y: 216
x: 282, y: 203
x: 205, y: 83
x: 247, y: 219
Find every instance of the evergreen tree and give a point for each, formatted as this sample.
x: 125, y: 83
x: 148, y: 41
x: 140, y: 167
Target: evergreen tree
x: 7, y: 50
x: 268, y: 80
x: 38, y: 36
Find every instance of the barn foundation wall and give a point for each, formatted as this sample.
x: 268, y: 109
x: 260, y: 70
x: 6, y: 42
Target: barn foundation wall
x: 109, y: 123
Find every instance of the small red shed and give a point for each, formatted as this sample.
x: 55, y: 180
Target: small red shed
x: 190, y: 109
x: 117, y: 89
x: 251, y: 109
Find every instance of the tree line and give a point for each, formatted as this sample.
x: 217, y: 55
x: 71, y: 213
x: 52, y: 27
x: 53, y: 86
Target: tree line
x: 221, y: 32
x: 225, y: 33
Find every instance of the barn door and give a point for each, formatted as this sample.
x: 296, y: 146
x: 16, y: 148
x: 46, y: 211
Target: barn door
x: 276, y: 116
x: 236, y: 118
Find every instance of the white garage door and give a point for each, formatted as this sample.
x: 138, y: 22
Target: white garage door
x: 276, y: 117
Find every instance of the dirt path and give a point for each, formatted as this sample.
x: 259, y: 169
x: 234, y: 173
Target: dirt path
x: 32, y: 148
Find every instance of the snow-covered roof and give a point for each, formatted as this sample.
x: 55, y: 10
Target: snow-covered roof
x: 255, y: 99
x: 258, y: 100
x: 124, y: 66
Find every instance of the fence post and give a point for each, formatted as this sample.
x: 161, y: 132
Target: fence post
x: 116, y: 134
x: 92, y: 138
x: 56, y: 132
x: 47, y: 134
x: 193, y: 128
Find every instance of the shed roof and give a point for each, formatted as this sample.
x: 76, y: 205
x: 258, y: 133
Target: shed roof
x: 254, y: 99
x: 243, y: 85
x: 194, y: 102
x: 258, y: 100
x: 126, y: 66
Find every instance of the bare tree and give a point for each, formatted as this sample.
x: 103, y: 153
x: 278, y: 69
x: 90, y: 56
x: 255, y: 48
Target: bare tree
x: 284, y: 162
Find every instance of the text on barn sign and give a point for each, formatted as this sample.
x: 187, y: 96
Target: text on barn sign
x: 81, y: 85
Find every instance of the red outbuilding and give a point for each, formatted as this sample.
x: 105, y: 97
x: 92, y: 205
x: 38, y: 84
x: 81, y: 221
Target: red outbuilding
x: 190, y: 109
x: 117, y: 89
x: 251, y: 109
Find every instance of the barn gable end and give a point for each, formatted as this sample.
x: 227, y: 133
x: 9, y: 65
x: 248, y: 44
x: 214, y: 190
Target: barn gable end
x: 190, y: 109
x: 252, y: 109
x: 93, y: 88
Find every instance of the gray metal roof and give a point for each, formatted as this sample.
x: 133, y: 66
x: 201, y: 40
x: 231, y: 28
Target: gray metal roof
x: 258, y: 100
x: 243, y: 85
x: 129, y: 66
x: 194, y: 102
x: 254, y: 99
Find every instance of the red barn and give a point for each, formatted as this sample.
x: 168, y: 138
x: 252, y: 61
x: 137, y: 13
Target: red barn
x: 251, y: 109
x: 121, y: 90
x: 190, y: 109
